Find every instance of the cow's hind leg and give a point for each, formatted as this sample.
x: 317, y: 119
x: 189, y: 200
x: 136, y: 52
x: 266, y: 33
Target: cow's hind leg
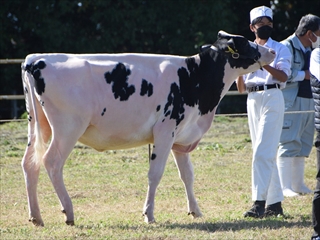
x: 54, y: 160
x: 31, y: 169
x: 31, y: 175
x: 185, y: 167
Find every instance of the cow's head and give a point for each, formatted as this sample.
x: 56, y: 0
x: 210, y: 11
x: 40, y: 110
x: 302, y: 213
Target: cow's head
x: 241, y: 53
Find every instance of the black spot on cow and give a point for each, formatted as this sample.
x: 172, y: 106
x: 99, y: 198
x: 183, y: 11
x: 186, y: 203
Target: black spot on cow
x: 199, y: 84
x: 158, y: 108
x: 29, y: 118
x: 42, y: 103
x: 29, y: 144
x: 167, y: 113
x: 35, y: 70
x: 153, y: 156
x: 174, y: 106
x: 119, y: 80
x: 146, y: 88
x: 103, y: 111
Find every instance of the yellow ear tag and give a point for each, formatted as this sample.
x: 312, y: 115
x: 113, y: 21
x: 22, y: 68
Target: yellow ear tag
x: 230, y: 50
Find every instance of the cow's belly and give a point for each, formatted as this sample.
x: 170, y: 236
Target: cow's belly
x: 102, y: 140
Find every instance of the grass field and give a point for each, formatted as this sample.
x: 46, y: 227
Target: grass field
x: 108, y: 191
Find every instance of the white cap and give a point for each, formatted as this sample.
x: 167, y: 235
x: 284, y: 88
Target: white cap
x: 261, y: 11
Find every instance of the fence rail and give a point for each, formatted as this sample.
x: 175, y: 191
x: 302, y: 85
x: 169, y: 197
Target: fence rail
x: 11, y: 61
x: 11, y: 97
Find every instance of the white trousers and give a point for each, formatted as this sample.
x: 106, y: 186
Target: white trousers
x: 265, y: 116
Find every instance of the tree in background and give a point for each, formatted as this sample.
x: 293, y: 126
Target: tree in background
x: 100, y: 26
x: 106, y: 26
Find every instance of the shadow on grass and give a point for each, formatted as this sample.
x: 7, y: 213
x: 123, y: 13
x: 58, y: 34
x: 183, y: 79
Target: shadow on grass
x: 238, y: 225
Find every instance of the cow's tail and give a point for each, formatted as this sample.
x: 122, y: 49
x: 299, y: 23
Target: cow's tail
x: 37, y: 141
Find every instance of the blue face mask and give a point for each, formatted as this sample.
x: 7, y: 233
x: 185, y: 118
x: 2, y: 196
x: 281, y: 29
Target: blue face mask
x: 264, y: 32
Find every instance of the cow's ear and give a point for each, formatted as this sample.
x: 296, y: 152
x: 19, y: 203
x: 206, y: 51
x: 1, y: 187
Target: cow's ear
x: 223, y: 34
x: 204, y: 47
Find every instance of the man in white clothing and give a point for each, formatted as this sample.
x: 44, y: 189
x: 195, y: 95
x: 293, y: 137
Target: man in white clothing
x: 265, y: 107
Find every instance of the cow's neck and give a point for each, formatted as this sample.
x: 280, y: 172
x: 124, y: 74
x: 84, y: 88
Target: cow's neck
x: 229, y: 78
x: 206, y: 73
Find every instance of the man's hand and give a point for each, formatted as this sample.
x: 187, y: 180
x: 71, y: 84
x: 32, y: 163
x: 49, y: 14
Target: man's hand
x: 276, y: 73
x: 307, y: 75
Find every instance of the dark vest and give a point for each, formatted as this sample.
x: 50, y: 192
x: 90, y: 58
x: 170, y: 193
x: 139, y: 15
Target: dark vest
x: 304, y: 86
x: 315, y: 86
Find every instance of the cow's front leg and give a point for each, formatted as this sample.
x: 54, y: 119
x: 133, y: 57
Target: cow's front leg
x: 31, y: 175
x: 185, y: 167
x: 158, y: 159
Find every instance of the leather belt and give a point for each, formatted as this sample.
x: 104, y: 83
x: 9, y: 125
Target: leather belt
x: 262, y: 87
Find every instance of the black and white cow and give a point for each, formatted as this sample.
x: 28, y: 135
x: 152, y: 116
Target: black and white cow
x: 118, y: 101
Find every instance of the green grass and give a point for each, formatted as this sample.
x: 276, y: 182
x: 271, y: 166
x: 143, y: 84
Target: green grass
x: 108, y: 191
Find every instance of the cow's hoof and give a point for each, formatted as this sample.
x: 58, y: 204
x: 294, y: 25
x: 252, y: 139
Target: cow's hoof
x: 151, y: 222
x: 35, y: 222
x: 70, y: 223
x: 195, y: 215
x: 147, y: 220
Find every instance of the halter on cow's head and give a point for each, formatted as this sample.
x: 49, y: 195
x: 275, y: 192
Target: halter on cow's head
x: 235, y: 48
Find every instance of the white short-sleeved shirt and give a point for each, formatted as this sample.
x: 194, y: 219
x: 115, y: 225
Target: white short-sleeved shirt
x: 315, y: 63
x: 282, y: 62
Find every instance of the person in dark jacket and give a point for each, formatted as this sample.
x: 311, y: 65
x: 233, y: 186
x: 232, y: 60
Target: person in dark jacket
x: 315, y: 85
